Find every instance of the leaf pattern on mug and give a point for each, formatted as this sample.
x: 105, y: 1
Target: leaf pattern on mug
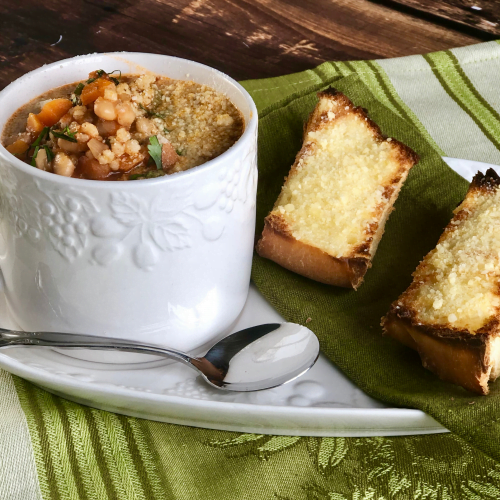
x: 170, y: 236
x: 127, y: 209
x: 166, y: 223
x: 162, y: 225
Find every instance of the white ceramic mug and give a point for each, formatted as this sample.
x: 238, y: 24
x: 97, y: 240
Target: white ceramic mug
x: 164, y: 261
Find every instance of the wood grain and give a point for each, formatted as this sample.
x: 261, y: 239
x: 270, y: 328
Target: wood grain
x: 244, y: 38
x: 482, y: 15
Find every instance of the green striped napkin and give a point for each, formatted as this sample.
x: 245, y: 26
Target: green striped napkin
x: 442, y: 103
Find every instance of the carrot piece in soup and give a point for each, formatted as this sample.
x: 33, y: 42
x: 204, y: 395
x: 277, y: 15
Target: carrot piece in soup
x: 33, y: 124
x: 53, y: 111
x: 18, y: 148
x: 94, y: 90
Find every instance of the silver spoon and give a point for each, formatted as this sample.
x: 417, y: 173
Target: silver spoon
x: 253, y: 359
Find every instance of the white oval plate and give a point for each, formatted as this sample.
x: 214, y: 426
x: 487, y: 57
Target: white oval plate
x: 323, y: 402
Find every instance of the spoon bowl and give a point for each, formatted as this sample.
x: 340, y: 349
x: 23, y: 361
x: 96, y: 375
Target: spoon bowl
x: 253, y: 359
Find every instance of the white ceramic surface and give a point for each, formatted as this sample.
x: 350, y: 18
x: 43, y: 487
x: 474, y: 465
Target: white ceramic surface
x: 164, y: 261
x: 323, y: 402
x: 468, y: 168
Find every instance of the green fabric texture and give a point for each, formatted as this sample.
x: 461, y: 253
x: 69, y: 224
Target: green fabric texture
x: 347, y: 322
x: 85, y: 453
x: 204, y: 464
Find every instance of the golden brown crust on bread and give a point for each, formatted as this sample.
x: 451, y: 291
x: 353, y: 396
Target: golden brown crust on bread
x: 279, y: 245
x: 452, y: 355
x: 456, y: 355
x: 345, y: 106
x: 277, y: 242
x: 488, y: 181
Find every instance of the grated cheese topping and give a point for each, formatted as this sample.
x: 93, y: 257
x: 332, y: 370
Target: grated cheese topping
x: 459, y: 279
x: 332, y: 198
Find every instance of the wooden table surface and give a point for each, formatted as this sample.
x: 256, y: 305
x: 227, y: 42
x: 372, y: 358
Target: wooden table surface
x: 244, y: 38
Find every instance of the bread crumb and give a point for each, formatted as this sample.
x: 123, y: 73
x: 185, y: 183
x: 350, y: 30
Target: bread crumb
x: 438, y: 303
x: 224, y: 120
x: 308, y: 320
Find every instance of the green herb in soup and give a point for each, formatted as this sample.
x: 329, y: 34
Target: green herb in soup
x: 155, y: 150
x: 130, y: 127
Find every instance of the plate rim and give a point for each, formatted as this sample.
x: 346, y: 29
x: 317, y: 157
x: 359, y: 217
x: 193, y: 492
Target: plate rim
x: 424, y: 424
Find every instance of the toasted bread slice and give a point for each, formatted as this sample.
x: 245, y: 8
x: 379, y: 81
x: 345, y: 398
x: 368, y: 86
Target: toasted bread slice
x: 450, y: 313
x: 331, y: 213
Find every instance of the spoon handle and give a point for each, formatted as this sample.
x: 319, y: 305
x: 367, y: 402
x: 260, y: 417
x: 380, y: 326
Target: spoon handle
x: 77, y: 340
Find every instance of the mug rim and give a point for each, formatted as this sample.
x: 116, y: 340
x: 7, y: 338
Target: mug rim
x: 248, y: 133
